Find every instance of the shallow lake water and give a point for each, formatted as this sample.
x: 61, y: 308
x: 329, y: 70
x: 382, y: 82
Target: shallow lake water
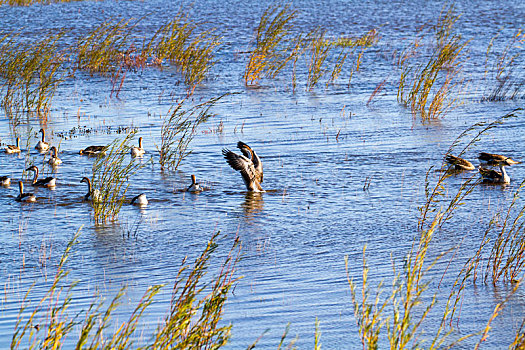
x: 339, y: 174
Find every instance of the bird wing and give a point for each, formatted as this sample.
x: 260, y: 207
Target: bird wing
x: 489, y: 173
x: 245, y: 149
x: 459, y: 161
x: 250, y: 153
x: 242, y: 164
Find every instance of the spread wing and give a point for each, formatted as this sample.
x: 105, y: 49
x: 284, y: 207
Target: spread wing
x: 242, y: 164
x: 250, y: 153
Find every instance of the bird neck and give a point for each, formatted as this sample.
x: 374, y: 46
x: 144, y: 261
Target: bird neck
x: 35, y: 177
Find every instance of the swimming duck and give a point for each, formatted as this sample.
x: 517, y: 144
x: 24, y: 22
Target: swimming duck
x: 54, y: 160
x: 141, y: 199
x: 93, y: 150
x: 47, y: 182
x: 13, y: 148
x: 194, y: 187
x: 5, y: 180
x: 138, y: 151
x: 459, y: 163
x: 92, y: 194
x: 24, y: 197
x: 249, y: 164
x: 42, y: 145
x: 495, y: 159
x: 495, y: 177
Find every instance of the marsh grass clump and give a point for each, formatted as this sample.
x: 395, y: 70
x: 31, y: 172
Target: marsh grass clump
x: 110, y: 177
x: 430, y: 88
x: 30, y: 73
x: 275, y: 44
x: 178, y: 130
x: 319, y: 52
x: 106, y: 48
x: 192, y: 320
x: 503, y: 73
x: 179, y: 42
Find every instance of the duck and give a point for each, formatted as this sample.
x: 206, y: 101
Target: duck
x: 141, y: 199
x: 42, y: 145
x: 459, y: 163
x: 24, y: 197
x: 47, y: 182
x: 495, y: 159
x: 248, y: 164
x: 93, y: 195
x: 495, y: 177
x: 138, y: 151
x: 93, y: 151
x: 5, y: 180
x: 13, y: 148
x: 54, y: 160
x: 194, y: 187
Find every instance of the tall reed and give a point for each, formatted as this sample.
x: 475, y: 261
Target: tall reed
x: 178, y: 130
x: 103, y: 49
x: 191, y: 322
x: 503, y: 79
x: 275, y: 45
x: 319, y: 52
x: 111, y: 172
x: 408, y: 297
x: 30, y: 73
x: 179, y: 42
x: 430, y: 88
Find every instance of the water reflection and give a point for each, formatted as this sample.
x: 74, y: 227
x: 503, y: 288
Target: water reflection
x: 253, y: 204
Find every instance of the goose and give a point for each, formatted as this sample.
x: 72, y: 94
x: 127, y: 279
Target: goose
x: 495, y: 159
x: 249, y: 164
x: 42, y: 145
x: 47, y: 182
x: 459, y: 163
x: 138, y: 151
x: 92, y: 194
x: 141, y: 199
x: 495, y: 177
x: 194, y: 187
x: 13, y: 148
x: 93, y: 151
x: 24, y: 197
x: 54, y: 160
x: 5, y: 180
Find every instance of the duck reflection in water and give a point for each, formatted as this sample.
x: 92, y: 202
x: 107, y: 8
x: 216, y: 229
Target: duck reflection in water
x: 253, y: 205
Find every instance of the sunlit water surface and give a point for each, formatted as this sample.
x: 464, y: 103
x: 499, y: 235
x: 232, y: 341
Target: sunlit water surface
x: 319, y: 150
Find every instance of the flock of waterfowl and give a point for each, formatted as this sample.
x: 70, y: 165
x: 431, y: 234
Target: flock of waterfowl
x: 488, y: 159
x: 248, y: 164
